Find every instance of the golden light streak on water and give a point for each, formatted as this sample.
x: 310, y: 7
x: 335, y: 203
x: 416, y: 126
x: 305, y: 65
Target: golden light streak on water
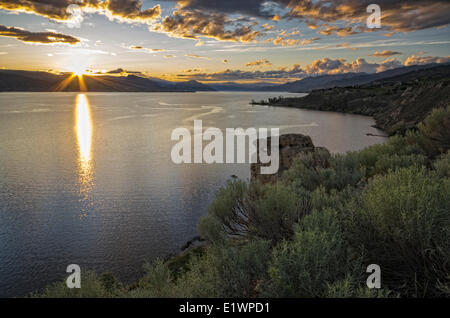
x: 84, y: 131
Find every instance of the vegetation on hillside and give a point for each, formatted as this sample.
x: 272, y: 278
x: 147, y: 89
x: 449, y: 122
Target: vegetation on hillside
x: 313, y: 233
x: 396, y: 103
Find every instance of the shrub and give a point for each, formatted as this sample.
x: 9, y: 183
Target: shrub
x: 319, y: 169
x: 442, y: 165
x: 110, y: 284
x: 259, y: 211
x: 227, y: 271
x: 321, y: 199
x: 315, y: 257
x: 157, y: 282
x: 403, y: 221
x: 397, y: 152
x: 226, y: 215
x: 91, y: 287
x: 436, y: 128
x: 273, y: 210
x: 350, y: 288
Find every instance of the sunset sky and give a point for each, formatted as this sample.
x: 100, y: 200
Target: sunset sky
x: 227, y: 40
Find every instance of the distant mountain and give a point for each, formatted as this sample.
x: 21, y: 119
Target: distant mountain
x: 192, y: 86
x: 232, y: 86
x: 343, y: 80
x: 14, y: 80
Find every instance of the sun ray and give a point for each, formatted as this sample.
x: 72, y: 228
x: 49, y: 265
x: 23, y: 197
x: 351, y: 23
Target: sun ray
x: 63, y: 84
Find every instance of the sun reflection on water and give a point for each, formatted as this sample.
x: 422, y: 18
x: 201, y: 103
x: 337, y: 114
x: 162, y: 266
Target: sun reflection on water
x: 84, y: 130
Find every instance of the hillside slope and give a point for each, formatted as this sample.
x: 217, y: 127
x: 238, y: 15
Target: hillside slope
x: 26, y: 81
x: 396, y: 103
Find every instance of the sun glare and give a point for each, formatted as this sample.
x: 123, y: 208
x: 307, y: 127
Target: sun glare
x: 78, y: 71
x: 78, y: 68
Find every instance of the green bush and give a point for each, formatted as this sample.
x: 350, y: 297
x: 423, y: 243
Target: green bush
x: 259, y: 211
x: 402, y: 221
x: 351, y: 288
x: 316, y: 257
x: 436, y: 128
x: 442, y: 165
x: 336, y: 172
x: 226, y: 215
x: 320, y: 169
x: 397, y: 152
x: 91, y: 287
x: 273, y: 211
x: 227, y: 271
x: 157, y: 282
x: 321, y: 198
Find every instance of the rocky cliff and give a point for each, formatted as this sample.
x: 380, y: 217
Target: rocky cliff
x: 290, y: 147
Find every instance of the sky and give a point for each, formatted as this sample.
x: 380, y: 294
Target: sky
x: 219, y: 41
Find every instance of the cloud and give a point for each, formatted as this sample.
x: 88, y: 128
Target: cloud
x: 195, y: 56
x: 341, y: 17
x: 194, y: 70
x: 259, y: 63
x: 47, y: 37
x: 144, y: 49
x: 340, y: 31
x: 397, y: 15
x: 119, y: 71
x: 236, y: 75
x: 339, y: 66
x: 385, y: 53
x: 268, y: 27
x: 282, y: 40
x: 70, y: 10
x: 195, y: 24
x: 254, y: 8
x: 346, y: 46
x: 420, y: 60
x: 309, y: 41
x: 388, y: 65
x: 116, y: 71
x: 322, y: 66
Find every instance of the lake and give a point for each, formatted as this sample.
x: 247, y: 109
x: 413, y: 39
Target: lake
x: 89, y: 179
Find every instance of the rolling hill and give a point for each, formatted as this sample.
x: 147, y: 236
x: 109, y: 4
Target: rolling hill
x: 27, y: 81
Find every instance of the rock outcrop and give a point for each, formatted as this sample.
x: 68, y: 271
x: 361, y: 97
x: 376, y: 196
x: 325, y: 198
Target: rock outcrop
x: 290, y: 146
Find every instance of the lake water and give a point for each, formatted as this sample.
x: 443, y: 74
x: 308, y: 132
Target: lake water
x: 89, y: 179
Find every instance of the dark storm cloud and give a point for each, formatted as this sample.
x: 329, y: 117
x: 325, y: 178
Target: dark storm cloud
x: 61, y: 10
x: 397, y: 15
x: 192, y: 24
x: 37, y: 37
x: 253, y: 8
x: 211, y: 18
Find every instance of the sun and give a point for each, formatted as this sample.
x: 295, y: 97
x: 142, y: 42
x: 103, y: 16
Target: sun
x: 77, y: 68
x: 78, y: 71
